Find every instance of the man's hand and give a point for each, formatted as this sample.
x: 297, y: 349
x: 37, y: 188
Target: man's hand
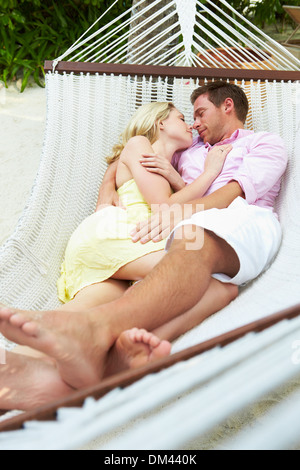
x: 108, y: 195
x: 160, y: 225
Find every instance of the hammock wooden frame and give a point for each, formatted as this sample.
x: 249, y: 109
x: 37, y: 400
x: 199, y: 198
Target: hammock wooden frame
x: 172, y: 72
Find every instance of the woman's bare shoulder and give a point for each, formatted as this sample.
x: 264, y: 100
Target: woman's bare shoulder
x: 135, y: 147
x: 138, y: 140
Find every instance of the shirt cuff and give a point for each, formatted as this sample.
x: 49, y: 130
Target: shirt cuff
x: 248, y: 188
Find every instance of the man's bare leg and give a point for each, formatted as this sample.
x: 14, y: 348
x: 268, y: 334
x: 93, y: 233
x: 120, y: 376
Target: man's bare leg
x: 217, y: 297
x: 130, y: 352
x: 135, y: 348
x: 27, y: 383
x: 80, y: 343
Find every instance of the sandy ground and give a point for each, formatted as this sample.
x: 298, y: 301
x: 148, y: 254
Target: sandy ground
x: 22, y: 122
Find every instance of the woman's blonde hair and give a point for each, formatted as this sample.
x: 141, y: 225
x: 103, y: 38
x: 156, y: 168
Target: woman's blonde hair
x: 145, y: 122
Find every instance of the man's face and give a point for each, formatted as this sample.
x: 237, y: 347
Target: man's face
x: 208, y: 120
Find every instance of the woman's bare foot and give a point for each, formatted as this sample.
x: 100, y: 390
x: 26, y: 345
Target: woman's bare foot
x: 135, y: 348
x: 78, y: 345
x: 27, y: 383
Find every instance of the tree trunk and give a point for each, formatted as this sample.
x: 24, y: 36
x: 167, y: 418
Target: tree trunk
x: 148, y: 56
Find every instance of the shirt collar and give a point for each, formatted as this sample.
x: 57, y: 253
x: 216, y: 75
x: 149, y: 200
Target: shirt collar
x: 236, y: 135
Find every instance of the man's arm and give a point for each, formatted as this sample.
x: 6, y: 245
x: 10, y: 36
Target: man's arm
x: 221, y: 198
x: 107, y: 192
x: 162, y: 223
x: 262, y: 168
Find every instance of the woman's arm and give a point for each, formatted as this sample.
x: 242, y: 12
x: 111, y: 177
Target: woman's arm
x: 213, y: 166
x: 159, y: 165
x: 154, y: 187
x: 184, y: 193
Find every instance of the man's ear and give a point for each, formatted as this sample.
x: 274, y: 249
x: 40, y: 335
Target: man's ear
x: 228, y: 105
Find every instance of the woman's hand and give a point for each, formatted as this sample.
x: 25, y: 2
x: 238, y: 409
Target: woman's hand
x: 159, y: 165
x: 216, y: 158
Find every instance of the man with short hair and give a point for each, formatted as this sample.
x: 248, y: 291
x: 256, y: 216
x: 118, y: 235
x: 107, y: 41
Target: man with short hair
x: 234, y: 238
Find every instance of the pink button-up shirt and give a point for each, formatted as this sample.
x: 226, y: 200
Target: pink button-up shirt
x: 257, y: 162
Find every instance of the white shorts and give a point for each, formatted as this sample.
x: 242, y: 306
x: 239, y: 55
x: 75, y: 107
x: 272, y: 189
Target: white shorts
x: 253, y: 232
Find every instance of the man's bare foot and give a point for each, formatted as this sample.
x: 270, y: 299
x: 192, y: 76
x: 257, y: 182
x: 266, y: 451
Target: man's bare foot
x: 78, y: 346
x: 135, y: 348
x: 27, y: 383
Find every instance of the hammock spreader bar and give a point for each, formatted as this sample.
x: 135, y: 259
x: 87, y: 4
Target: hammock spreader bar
x: 172, y: 72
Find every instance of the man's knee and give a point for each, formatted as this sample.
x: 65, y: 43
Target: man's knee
x: 212, y: 251
x: 231, y: 292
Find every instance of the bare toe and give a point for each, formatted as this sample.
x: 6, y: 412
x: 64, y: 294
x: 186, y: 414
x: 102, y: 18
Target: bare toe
x: 18, y: 320
x: 30, y: 329
x: 6, y: 313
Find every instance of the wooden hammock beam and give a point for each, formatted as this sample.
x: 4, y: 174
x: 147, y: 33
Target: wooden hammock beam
x: 171, y: 72
x: 76, y: 399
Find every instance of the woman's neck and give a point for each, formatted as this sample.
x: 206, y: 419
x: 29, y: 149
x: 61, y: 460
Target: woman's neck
x: 164, y: 149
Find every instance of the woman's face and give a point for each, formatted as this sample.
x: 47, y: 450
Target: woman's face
x: 175, y: 128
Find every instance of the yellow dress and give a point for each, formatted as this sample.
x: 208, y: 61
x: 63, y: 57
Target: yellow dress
x: 101, y: 244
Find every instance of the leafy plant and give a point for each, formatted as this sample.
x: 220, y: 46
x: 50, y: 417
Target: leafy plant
x: 34, y: 30
x: 271, y: 12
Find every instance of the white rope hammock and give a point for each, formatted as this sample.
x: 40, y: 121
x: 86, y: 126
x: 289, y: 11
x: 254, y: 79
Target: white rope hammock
x: 86, y: 113
x: 213, y: 35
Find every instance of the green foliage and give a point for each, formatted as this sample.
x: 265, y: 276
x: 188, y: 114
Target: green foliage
x: 32, y: 31
x: 271, y: 12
